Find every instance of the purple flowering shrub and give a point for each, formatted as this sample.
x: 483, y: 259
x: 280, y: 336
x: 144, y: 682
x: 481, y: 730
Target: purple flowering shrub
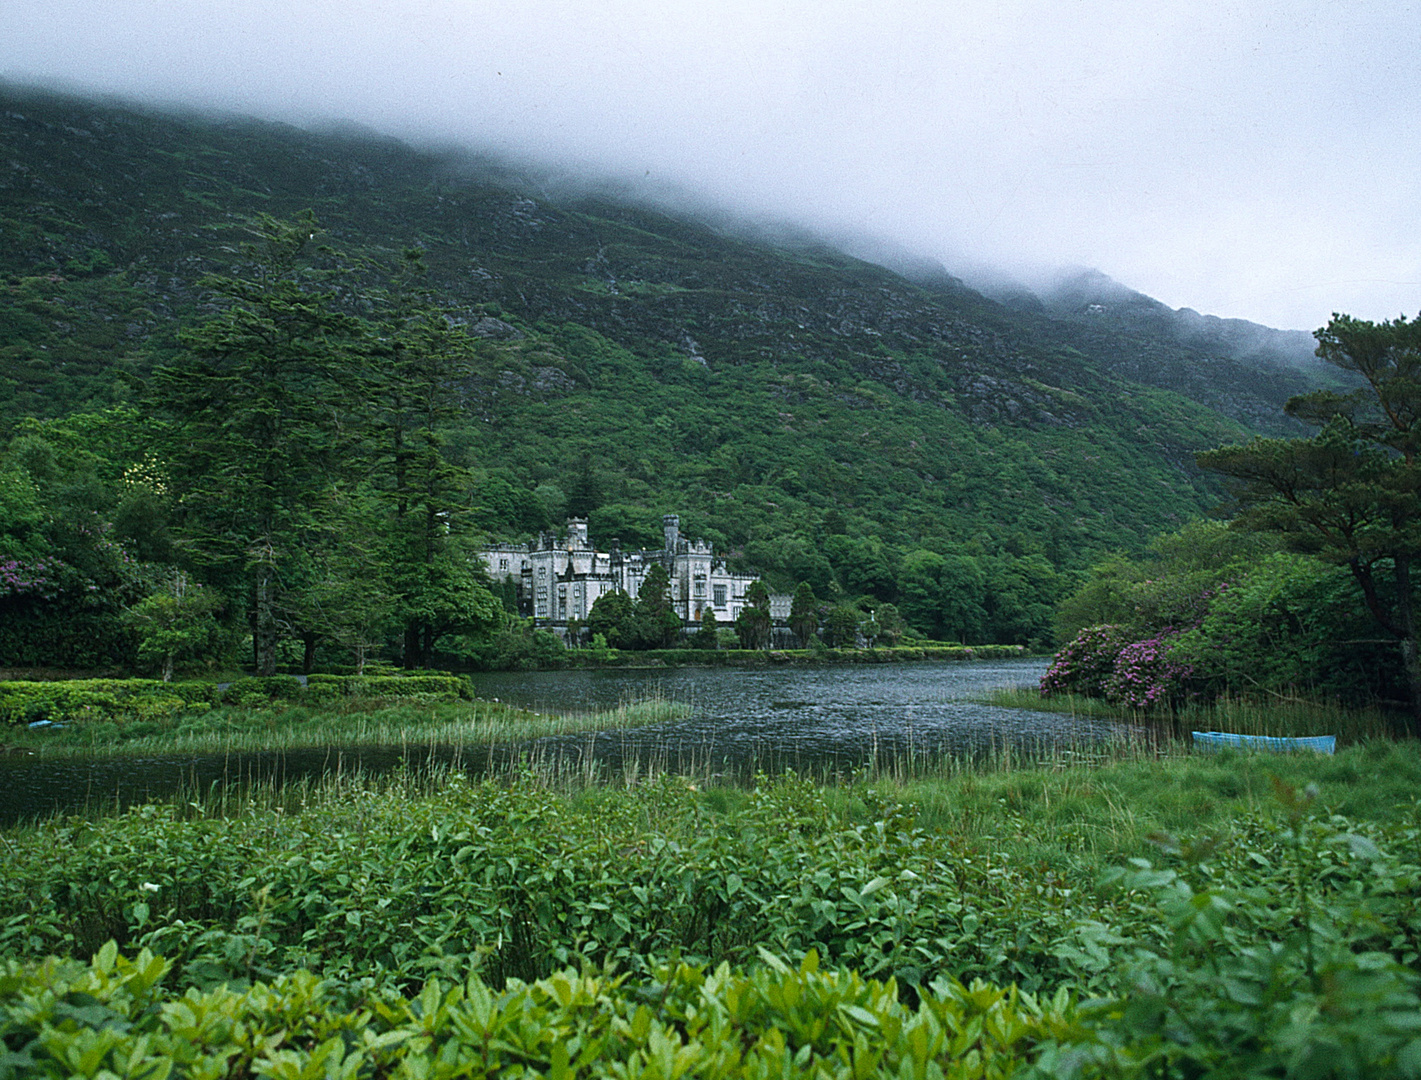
x: 1101, y: 661
x: 36, y: 577
x: 1085, y: 662
x: 1144, y: 674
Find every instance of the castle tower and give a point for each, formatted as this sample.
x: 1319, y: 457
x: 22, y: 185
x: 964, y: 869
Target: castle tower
x: 671, y: 528
x: 577, y: 535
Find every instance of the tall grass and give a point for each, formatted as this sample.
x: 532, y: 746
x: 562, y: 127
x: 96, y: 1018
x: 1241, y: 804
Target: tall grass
x: 234, y: 729
x: 1062, y: 813
x: 1241, y: 716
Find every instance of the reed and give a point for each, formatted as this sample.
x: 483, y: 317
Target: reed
x: 1279, y: 716
x: 233, y: 730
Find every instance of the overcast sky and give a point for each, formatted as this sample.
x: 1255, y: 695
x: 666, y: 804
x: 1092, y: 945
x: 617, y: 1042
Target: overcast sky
x: 1258, y: 160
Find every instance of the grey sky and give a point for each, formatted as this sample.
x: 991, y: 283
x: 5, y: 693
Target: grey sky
x: 1257, y: 160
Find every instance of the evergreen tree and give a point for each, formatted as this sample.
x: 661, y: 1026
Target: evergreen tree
x: 421, y: 361
x: 351, y: 600
x: 708, y: 635
x: 753, y: 624
x: 260, y: 421
x: 804, y: 613
x: 585, y: 495
x: 658, y: 625
x: 1351, y: 494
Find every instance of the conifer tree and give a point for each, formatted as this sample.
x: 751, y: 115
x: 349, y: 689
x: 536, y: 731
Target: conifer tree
x: 658, y: 625
x: 804, y: 613
x: 260, y: 420
x: 1351, y: 494
x: 754, y: 624
x: 421, y: 363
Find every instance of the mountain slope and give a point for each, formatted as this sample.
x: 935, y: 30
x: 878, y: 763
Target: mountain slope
x: 819, y: 416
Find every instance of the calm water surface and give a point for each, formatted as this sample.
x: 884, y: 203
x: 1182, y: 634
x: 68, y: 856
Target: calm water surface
x: 819, y: 719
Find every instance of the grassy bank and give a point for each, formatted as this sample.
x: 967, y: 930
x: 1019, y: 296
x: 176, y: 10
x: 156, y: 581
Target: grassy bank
x: 352, y: 723
x: 1290, y: 716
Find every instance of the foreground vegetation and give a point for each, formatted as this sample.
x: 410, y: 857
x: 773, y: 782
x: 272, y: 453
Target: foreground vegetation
x: 423, y: 923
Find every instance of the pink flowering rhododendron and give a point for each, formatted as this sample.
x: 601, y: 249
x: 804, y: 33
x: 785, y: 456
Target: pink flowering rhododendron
x: 1144, y: 675
x: 36, y: 578
x: 1101, y: 661
x: 1084, y: 663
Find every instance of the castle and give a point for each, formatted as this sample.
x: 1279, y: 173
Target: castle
x: 559, y: 581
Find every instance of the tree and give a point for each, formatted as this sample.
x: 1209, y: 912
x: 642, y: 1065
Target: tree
x: 1351, y: 494
x: 841, y: 627
x: 350, y: 600
x: 176, y: 623
x: 447, y: 595
x: 613, y: 617
x: 708, y: 636
x: 890, y: 623
x: 804, y: 613
x: 259, y: 414
x: 420, y: 363
x: 754, y: 623
x: 870, y: 629
x: 586, y: 492
x: 657, y: 623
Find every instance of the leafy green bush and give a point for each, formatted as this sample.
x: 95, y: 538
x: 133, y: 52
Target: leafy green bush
x: 519, y: 882
x: 123, y: 700
x: 86, y: 700
x: 438, y: 686
x: 258, y: 688
x: 112, y: 1017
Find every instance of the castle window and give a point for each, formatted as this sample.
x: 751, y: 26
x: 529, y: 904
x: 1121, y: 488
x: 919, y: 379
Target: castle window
x: 503, y: 564
x: 719, y: 591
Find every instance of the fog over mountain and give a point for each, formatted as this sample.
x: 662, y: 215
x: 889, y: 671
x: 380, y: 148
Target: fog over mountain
x: 1242, y: 161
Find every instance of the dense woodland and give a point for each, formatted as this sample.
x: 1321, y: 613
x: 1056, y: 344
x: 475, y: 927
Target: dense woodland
x: 266, y: 384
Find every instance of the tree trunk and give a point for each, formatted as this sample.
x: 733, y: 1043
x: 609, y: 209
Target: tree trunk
x: 1406, y: 632
x: 264, y: 639
x: 308, y: 656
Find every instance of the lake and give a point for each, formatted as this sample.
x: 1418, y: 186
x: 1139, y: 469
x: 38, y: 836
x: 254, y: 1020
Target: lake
x: 822, y: 720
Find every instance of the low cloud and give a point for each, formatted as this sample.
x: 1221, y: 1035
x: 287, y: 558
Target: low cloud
x: 1249, y: 161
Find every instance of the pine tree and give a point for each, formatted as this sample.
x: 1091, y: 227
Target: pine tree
x: 753, y: 625
x: 1351, y: 494
x: 260, y: 409
x: 804, y: 613
x: 421, y: 363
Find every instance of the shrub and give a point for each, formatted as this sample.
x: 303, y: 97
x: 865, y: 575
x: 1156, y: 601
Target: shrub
x: 84, y: 700
x: 1085, y: 663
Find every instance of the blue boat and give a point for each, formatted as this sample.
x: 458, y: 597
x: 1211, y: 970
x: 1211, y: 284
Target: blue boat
x: 1218, y: 740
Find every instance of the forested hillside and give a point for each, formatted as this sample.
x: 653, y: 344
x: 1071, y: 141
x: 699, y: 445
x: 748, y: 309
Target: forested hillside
x: 819, y: 418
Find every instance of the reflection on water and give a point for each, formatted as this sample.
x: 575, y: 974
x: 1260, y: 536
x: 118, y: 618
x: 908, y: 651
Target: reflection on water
x: 815, y: 719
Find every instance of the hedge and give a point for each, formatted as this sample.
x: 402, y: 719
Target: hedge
x: 78, y: 700
x: 763, y: 657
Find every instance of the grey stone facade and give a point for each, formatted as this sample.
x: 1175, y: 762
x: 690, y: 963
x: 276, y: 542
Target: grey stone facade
x: 560, y: 580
